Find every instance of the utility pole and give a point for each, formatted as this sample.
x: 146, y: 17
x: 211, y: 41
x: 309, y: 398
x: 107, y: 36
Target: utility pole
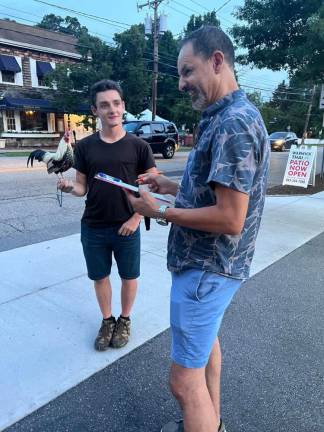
x: 155, y: 34
x: 308, y: 115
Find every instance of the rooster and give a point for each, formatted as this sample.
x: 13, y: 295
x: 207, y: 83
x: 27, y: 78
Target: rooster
x: 58, y: 162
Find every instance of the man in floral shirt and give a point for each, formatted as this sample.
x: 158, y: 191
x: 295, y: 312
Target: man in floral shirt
x: 215, y: 222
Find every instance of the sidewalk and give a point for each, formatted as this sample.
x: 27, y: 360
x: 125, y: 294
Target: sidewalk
x: 49, y: 316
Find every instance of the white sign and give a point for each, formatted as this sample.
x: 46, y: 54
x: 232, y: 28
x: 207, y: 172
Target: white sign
x: 299, y: 166
x: 321, y: 103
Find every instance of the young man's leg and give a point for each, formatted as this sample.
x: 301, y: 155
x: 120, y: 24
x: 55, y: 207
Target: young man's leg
x: 98, y: 256
x: 128, y: 294
x: 127, y: 255
x: 104, y: 294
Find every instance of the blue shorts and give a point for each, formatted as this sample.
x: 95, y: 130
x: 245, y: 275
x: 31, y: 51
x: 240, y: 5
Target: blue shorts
x: 100, y: 243
x: 198, y: 302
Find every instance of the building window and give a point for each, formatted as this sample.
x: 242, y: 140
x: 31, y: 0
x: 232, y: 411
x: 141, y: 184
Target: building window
x: 8, y: 77
x: 9, y: 67
x: 43, y: 69
x: 33, y: 120
x: 11, y: 122
x: 41, y: 82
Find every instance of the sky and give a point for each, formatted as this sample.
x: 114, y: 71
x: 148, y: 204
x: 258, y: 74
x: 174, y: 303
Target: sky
x: 126, y: 13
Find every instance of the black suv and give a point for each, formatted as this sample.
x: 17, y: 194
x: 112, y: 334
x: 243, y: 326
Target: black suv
x: 161, y: 135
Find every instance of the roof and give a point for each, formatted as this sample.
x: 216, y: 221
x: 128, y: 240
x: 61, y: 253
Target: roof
x: 38, y: 39
x: 147, y: 115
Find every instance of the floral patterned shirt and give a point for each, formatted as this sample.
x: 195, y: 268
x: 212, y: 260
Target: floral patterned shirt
x: 232, y: 150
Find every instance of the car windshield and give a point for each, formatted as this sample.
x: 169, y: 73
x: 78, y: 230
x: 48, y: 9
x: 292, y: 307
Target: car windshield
x: 130, y: 127
x: 277, y: 135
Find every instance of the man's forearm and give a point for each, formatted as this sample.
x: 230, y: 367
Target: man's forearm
x: 78, y: 189
x: 137, y: 216
x: 208, y: 219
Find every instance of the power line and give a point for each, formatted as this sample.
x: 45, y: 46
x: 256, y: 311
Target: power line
x: 114, y: 23
x: 302, y: 92
x: 184, y: 6
x: 198, y: 4
x: 23, y: 19
x: 19, y: 10
x: 221, y: 7
x: 176, y: 10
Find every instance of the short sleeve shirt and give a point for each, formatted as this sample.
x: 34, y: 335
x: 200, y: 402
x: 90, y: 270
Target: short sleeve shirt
x: 232, y: 150
x: 106, y: 204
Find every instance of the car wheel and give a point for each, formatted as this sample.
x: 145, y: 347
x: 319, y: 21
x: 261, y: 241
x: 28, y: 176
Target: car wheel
x: 168, y: 151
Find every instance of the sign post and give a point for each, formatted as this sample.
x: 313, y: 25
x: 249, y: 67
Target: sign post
x: 299, y: 166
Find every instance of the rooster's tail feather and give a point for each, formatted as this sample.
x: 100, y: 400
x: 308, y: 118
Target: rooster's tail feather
x: 36, y: 154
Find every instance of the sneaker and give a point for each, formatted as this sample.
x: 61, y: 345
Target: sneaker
x: 121, y: 333
x: 173, y: 426
x: 177, y: 426
x: 105, y: 333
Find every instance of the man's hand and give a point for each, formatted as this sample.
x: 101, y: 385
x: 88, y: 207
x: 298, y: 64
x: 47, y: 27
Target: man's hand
x: 146, y: 205
x: 158, y: 183
x: 130, y: 226
x: 65, y: 185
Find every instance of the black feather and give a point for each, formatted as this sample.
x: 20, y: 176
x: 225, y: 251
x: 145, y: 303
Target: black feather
x: 36, y: 154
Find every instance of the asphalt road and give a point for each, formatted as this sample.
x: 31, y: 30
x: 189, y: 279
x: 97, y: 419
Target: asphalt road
x: 29, y: 211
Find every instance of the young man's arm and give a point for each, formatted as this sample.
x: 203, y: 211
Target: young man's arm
x: 131, y: 225
x: 78, y: 187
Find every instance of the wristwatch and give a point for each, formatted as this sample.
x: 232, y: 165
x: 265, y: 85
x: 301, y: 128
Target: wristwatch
x: 161, y: 217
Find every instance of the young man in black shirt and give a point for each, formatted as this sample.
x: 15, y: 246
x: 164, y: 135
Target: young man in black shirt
x: 109, y: 224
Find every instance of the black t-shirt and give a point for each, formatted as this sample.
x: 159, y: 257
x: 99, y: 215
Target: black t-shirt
x: 106, y: 204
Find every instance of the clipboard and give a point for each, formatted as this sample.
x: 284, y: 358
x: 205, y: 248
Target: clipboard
x: 118, y: 182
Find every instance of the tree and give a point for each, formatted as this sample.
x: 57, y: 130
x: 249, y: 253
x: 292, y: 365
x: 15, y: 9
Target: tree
x: 69, y: 25
x: 130, y: 67
x: 255, y: 98
x: 72, y: 81
x: 196, y: 21
x: 282, y: 35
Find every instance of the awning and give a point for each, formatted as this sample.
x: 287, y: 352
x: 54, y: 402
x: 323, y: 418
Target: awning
x: 9, y: 64
x: 25, y: 103
x: 43, y: 68
x: 36, y: 105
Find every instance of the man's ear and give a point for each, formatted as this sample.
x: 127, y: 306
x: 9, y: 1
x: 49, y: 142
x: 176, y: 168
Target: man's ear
x: 217, y: 61
x: 94, y: 110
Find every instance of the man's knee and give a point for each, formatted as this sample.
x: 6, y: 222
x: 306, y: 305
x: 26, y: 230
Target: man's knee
x: 184, y: 382
x: 101, y: 282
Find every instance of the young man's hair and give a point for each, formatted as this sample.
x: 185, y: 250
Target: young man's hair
x: 208, y: 39
x: 102, y: 86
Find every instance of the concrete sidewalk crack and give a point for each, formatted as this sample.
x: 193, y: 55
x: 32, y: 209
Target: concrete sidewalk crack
x: 42, y: 289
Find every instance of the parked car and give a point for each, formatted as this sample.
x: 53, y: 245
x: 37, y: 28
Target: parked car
x: 162, y: 136
x: 281, y: 141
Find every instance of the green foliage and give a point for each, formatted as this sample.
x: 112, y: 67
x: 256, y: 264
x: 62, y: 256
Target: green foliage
x: 282, y: 35
x: 130, y: 67
x: 255, y: 98
x: 196, y: 21
x: 69, y: 25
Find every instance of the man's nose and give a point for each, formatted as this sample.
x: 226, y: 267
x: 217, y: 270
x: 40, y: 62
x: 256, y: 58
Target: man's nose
x: 182, y: 84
